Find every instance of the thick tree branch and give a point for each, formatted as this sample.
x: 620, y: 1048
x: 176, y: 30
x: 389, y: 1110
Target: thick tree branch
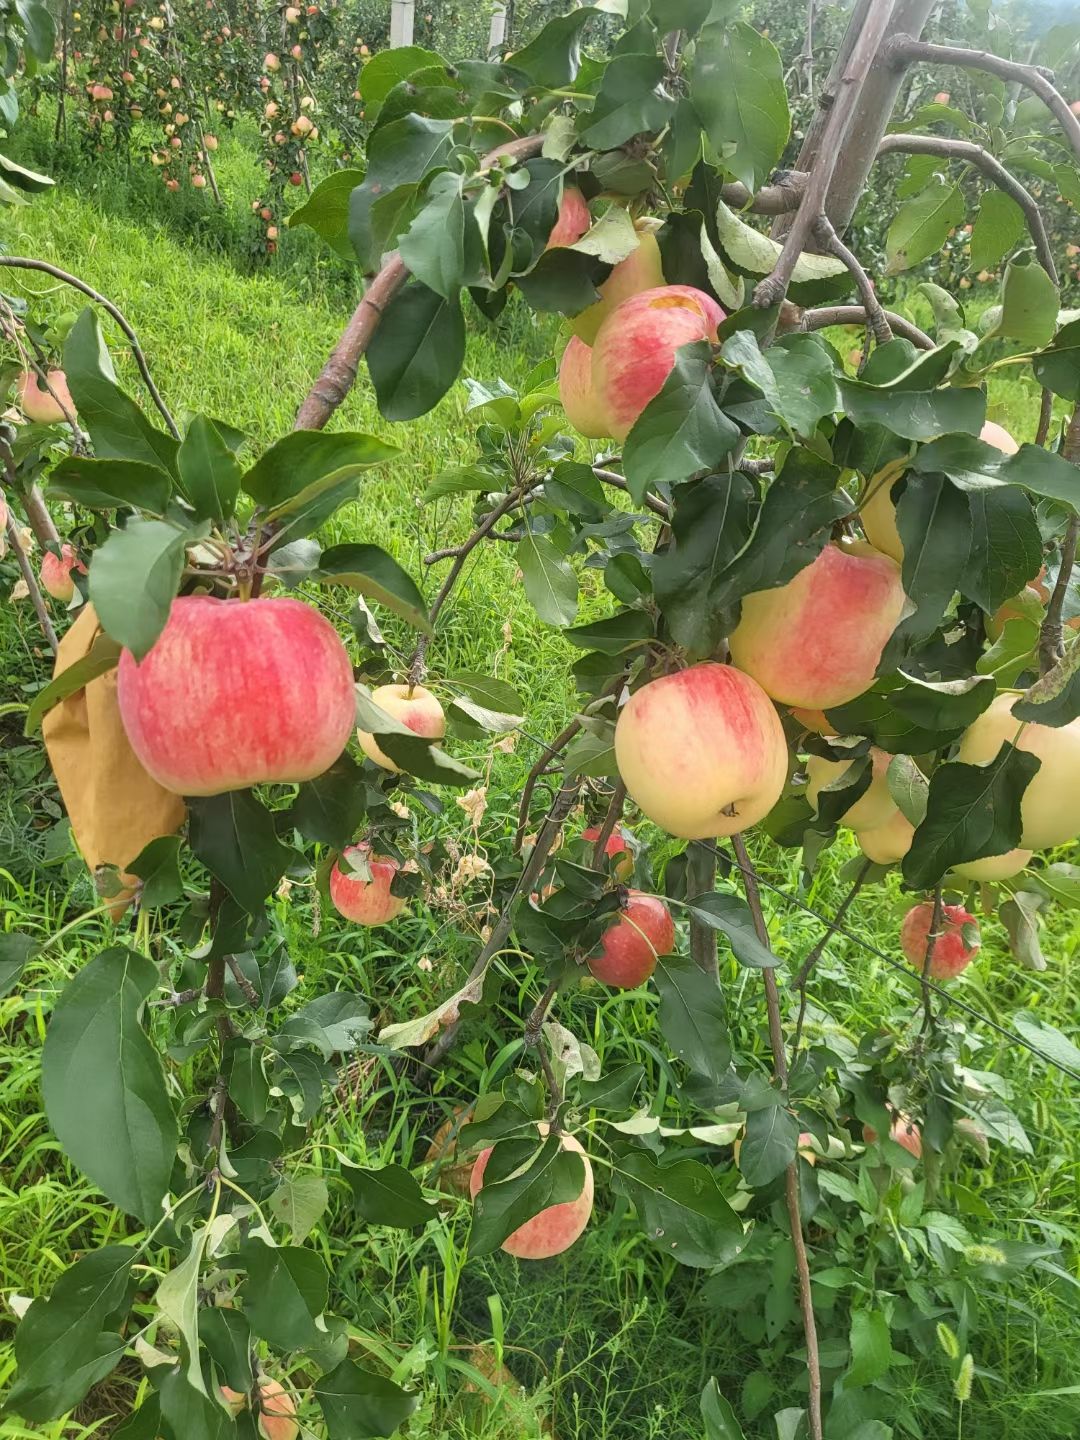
x: 993, y: 169
x: 780, y: 198
x: 826, y: 315
x: 876, y: 318
x: 903, y: 50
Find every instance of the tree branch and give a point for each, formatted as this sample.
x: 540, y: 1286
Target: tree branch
x: 1052, y: 632
x: 992, y: 168
x: 651, y: 502
x: 607, y: 829
x: 932, y: 937
x: 800, y: 981
x: 826, y: 315
x: 780, y: 198
x: 701, y: 880
x: 877, y: 321
x: 543, y: 761
x: 30, y: 581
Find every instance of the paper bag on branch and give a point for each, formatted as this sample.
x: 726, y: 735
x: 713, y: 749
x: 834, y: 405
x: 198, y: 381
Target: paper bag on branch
x: 115, y: 808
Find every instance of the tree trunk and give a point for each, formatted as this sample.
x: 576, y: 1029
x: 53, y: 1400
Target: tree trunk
x: 401, y: 22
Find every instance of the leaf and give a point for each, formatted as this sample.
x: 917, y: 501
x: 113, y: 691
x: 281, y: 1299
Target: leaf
x: 388, y: 68
x: 284, y: 1292
x: 619, y: 633
x: 408, y: 750
x: 357, y: 1405
x: 973, y: 811
x: 908, y: 787
x: 795, y: 375
x: 234, y: 837
x: 177, y: 1298
x: 326, y: 210
x: 711, y: 524
x: 921, y: 225
x: 550, y: 582
x: 551, y: 59
x: 488, y: 691
x: 681, y: 1209
x: 187, y: 1413
x: 718, y: 1416
x: 376, y: 575
x: 209, y: 471
x: 1054, y: 699
x: 903, y: 714
x: 442, y: 246
x: 871, y: 1348
x: 563, y: 281
x: 306, y: 458
x: 612, y: 1091
x: 299, y: 1202
x: 1029, y: 304
x: 399, y: 154
x: 998, y: 226
x: 462, y: 480
x: 1020, y: 916
x: 15, y: 950
x: 22, y: 178
x: 731, y: 915
x: 330, y: 807
x: 389, y: 1196
x: 520, y: 1180
x: 120, y: 1130
x: 934, y: 522
x: 682, y: 430
x: 769, y: 1145
x: 116, y: 425
x: 1057, y: 368
x: 103, y: 656
x: 750, y: 250
x: 974, y: 465
x: 416, y: 352
x: 1048, y: 1039
x: 158, y: 867
x: 693, y: 1016
x: 913, y: 414
x: 227, y: 1337
x: 737, y: 88
x: 134, y: 578
x: 630, y: 100
x: 1006, y: 547
x: 111, y: 484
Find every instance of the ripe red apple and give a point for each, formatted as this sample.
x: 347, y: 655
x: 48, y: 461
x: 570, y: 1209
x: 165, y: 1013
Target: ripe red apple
x: 412, y: 706
x: 56, y: 573
x: 642, y: 269
x: 37, y: 403
x: 635, y: 348
x: 554, y: 1229
x: 816, y: 641
x: 1050, y: 808
x: 875, y: 806
x: 702, y: 751
x: 951, y: 953
x: 576, y: 391
x: 903, y: 1131
x: 889, y: 843
x: 236, y: 693
x: 574, y: 218
x: 630, y: 946
x: 368, y: 902
x: 623, y: 868
x: 296, y: 178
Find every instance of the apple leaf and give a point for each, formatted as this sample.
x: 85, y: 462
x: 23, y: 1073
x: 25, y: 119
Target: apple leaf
x: 376, y: 575
x: 681, y: 1209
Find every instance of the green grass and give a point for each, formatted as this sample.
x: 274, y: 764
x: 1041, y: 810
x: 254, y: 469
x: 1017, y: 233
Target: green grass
x: 616, y: 1339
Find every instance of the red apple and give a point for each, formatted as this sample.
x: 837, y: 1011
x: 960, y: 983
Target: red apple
x: 903, y: 1131
x: 554, y: 1229
x: 576, y: 391
x: 635, y: 348
x: 702, y: 751
x: 623, y: 868
x: 630, y: 946
x: 951, y: 953
x: 816, y: 641
x: 271, y: 61
x: 642, y: 269
x: 39, y: 404
x: 574, y: 218
x: 236, y: 693
x: 368, y: 902
x: 56, y: 573
x: 410, y: 705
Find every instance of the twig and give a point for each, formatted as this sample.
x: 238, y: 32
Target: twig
x: 534, y: 1040
x: 773, y: 288
x: 219, y: 1098
x: 791, y: 1177
x: 902, y: 50
x: 607, y: 829
x: 780, y: 198
x: 1052, y: 633
x: 30, y: 581
x: 509, y: 537
x: 651, y: 502
x: 876, y: 318
x: 826, y: 315
x: 243, y: 984
x: 800, y: 980
x: 932, y: 938
x: 543, y: 760
x: 992, y: 168
x: 22, y: 262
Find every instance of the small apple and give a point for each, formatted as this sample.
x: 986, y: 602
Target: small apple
x: 271, y: 61
x: 887, y: 844
x: 623, y: 868
x: 210, y: 142
x: 45, y: 406
x: 573, y: 220
x: 368, y: 902
x: 56, y: 573
x: 412, y: 706
x: 296, y: 178
x: 875, y: 806
x: 277, y: 1412
x: 903, y: 1132
x: 952, y: 953
x: 199, y: 182
x: 994, y: 867
x: 631, y: 945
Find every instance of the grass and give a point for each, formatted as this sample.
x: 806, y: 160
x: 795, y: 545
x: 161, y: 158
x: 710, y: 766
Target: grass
x: 614, y: 1339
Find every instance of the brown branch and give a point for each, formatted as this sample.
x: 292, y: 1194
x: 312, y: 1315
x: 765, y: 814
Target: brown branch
x: 543, y: 761
x: 773, y: 288
x: 778, y: 199
x: 30, y: 581
x: 993, y: 169
x: 243, y: 984
x: 826, y: 315
x: 1046, y: 416
x: 903, y: 50
x: 338, y: 375
x: 37, y: 514
x: 651, y: 502
x: 791, y: 1177
x: 607, y: 829
x: 21, y: 262
x: 1052, y: 632
x: 800, y: 980
x: 876, y: 318
x: 534, y: 1040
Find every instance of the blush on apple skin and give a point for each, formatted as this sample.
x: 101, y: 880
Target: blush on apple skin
x: 616, y: 846
x: 367, y: 902
x: 576, y: 392
x: 574, y: 219
x: 903, y: 1131
x: 237, y: 693
x: 56, y: 576
x: 631, y: 945
x: 951, y: 954
x: 554, y: 1229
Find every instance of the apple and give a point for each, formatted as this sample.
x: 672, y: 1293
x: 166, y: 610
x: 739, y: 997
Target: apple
x: 702, y: 751
x: 576, y: 391
x: 630, y: 946
x: 292, y: 15
x: 236, y: 693
x: 199, y: 182
x: 816, y: 641
x: 574, y: 219
x: 302, y: 125
x: 297, y: 52
x: 815, y: 720
x: 623, y: 868
x: 1050, y: 808
x: 172, y: 184
x: 1028, y: 605
x: 41, y: 405
x: 635, y: 348
x: 877, y: 512
x: 368, y: 902
x: 889, y: 843
x: 210, y: 142
x: 942, y: 97
x: 56, y: 573
x: 903, y: 1131
x: 270, y: 109
x: 296, y: 178
x: 271, y: 232
x: 553, y: 1230
x: 951, y: 952
x: 412, y: 706
x: 875, y: 806
x: 994, y: 867
x: 642, y: 269
x: 277, y: 1412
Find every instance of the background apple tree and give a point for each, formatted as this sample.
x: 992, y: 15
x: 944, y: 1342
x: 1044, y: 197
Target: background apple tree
x: 183, y: 1079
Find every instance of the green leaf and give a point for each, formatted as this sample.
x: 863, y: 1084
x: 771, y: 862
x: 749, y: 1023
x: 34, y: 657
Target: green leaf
x: 488, y: 691
x: 1029, y: 304
x: 905, y: 715
x: 120, y: 1130
x: 1057, y: 368
x: 615, y: 635
x: 357, y: 1405
x: 40, y: 29
x: 389, y: 1196
x: 908, y: 787
x: 973, y: 464
x: 914, y: 414
x: 398, y: 154
x: 299, y: 1202
x: 748, y: 249
x: 463, y: 480
x: 1006, y: 547
x: 731, y: 915
x: 209, y: 471
x: 376, y: 575
x: 15, y: 950
x: 922, y: 225
x: 563, y: 281
x: 737, y: 88
x: 934, y: 522
x: 187, y: 1413
x: 227, y: 1337
x: 388, y: 68
x: 416, y: 352
x: 1048, y: 1039
x: 1054, y: 699
x: 712, y: 521
x: 612, y: 1091
x: 116, y: 425
x: 329, y: 808
x: 871, y: 1349
x: 306, y: 458
x: 998, y: 226
x: 442, y: 246
x: 521, y: 1179
x: 795, y: 375
x: 326, y: 210
x: 21, y: 177
x: 629, y: 102
x: 134, y: 578
x: 103, y: 656
x: 234, y: 837
x: 158, y: 867
x: 681, y: 1209
x: 177, y: 1298
x: 972, y: 811
x: 770, y: 1143
x: 682, y: 430
x: 550, y: 582
x: 110, y: 484
x: 693, y: 1016
x: 552, y: 58
x: 669, y: 15
x: 719, y: 1418
x: 284, y: 1293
